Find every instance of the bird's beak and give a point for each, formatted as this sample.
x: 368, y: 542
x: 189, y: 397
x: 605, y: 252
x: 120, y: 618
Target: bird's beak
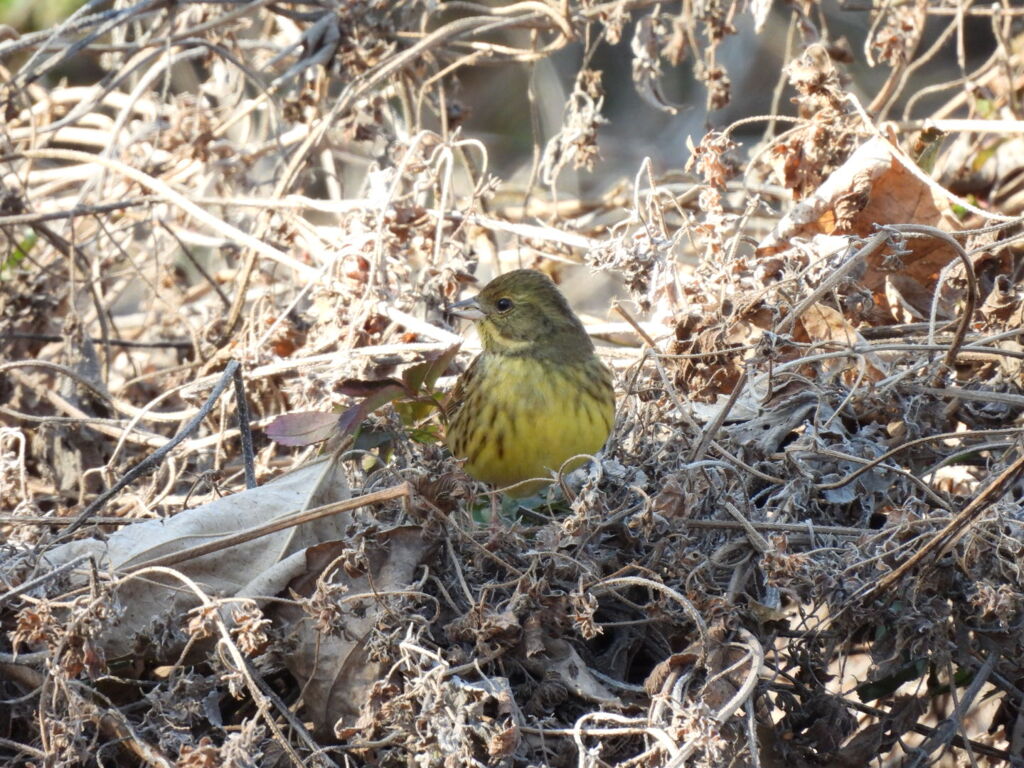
x: 467, y: 308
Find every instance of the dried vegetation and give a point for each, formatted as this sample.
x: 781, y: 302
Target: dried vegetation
x: 802, y: 545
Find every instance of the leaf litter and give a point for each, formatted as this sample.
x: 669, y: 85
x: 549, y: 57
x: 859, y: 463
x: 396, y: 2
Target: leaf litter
x: 800, y: 546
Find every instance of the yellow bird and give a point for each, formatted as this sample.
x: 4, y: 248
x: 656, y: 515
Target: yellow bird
x: 537, y: 395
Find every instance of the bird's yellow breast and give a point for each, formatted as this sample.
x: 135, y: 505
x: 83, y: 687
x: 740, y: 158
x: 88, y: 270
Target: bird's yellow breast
x: 523, y: 417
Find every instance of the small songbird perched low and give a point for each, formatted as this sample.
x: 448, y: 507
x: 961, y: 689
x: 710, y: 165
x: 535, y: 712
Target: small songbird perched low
x: 537, y: 395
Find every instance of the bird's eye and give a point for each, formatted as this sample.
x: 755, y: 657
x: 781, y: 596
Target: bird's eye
x: 503, y: 305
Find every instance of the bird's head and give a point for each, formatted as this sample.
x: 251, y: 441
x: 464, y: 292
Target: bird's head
x: 523, y: 313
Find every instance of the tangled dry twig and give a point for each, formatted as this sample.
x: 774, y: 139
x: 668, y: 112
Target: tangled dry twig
x: 820, y: 378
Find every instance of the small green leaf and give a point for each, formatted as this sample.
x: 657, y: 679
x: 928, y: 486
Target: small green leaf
x: 423, y: 376
x: 19, y: 253
x: 982, y: 157
x: 428, y: 434
x: 886, y: 686
x: 415, y: 409
x: 371, y: 438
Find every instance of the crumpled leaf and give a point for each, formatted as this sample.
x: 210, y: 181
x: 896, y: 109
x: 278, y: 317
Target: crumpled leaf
x: 873, y: 187
x: 561, y: 658
x: 646, y: 45
x: 765, y: 433
x: 822, y: 323
x: 336, y: 671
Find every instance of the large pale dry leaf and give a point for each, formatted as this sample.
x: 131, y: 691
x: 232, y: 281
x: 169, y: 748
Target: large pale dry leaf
x: 146, y: 601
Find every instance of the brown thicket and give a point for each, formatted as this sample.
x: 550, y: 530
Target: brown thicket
x: 802, y: 545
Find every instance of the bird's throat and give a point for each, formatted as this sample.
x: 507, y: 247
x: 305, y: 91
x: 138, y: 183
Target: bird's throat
x: 494, y: 343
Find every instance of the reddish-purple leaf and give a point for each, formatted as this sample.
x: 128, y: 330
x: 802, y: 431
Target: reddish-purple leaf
x: 353, y: 417
x: 364, y: 388
x: 302, y: 428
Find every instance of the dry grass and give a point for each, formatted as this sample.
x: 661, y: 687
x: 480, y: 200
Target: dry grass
x: 800, y: 547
